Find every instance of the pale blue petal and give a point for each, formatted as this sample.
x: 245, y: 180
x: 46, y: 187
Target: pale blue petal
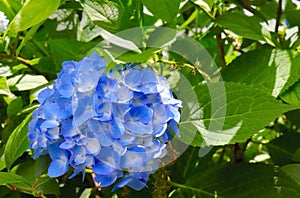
x: 124, y: 181
x: 48, y: 124
x: 106, y: 180
x: 101, y: 169
x: 149, y: 76
x: 133, y: 158
x: 133, y: 78
x: 57, y: 168
x: 137, y: 184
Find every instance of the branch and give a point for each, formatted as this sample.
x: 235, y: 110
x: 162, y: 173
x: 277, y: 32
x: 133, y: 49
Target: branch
x: 221, y: 52
x: 279, y: 12
x: 24, y: 61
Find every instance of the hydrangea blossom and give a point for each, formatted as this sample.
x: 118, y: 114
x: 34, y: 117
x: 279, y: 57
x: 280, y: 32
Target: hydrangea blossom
x: 117, y: 123
x: 3, y: 22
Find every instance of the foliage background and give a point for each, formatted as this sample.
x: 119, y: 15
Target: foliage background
x: 255, y: 44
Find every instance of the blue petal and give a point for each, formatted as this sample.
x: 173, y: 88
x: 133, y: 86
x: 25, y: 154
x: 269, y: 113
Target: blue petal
x: 124, y: 181
x: 56, y: 153
x: 149, y: 76
x: 103, y: 138
x: 140, y: 113
x: 64, y: 86
x: 53, y: 134
x: 133, y: 158
x: 120, y: 149
x: 159, y: 128
x: 160, y: 113
x: 50, y: 110
x: 69, y: 143
x: 57, y: 167
x: 139, y: 99
x: 105, y: 180
x: 137, y: 184
x: 86, y: 115
x: 67, y: 129
x: 48, y: 124
x: 105, y: 86
x: 104, y: 111
x: 122, y: 95
x: 44, y: 95
x: 102, y: 169
x: 92, y: 145
x: 133, y: 78
x: 109, y: 157
x: 138, y: 128
x: 117, y: 128
x: 173, y: 125
x: 173, y: 113
x: 86, y: 81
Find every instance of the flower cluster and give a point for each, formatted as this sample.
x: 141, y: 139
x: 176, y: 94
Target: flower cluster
x: 116, y: 122
x: 3, y: 22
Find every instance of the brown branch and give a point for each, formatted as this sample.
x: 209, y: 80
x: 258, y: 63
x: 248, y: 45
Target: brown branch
x: 24, y: 61
x: 221, y: 52
x: 278, y: 17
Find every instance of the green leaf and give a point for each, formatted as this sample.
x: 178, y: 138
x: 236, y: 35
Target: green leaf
x: 4, y: 89
x: 67, y: 49
x: 283, y: 148
x: 10, y: 8
x: 32, y: 13
x: 293, y: 170
x: 2, y: 159
x: 273, y: 69
x: 292, y: 14
x: 29, y: 35
x: 26, y: 82
x: 25, y: 169
x: 87, y: 30
x: 42, y: 164
x: 113, y: 16
x: 17, y: 142
x: 288, y: 181
x: 247, y: 27
x: 243, y: 180
x: 292, y: 95
x: 245, y: 111
x: 163, y: 9
x: 5, y: 70
x: 11, y: 178
x: 14, y: 107
x: 48, y: 186
x: 160, y: 37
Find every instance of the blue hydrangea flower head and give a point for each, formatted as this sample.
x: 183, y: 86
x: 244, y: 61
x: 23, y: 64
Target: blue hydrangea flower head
x: 116, y: 123
x: 3, y: 22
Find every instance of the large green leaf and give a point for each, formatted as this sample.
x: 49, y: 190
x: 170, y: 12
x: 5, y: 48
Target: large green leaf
x: 113, y: 16
x: 273, y: 69
x: 10, y: 7
x: 32, y: 13
x: 292, y: 95
x: 17, y: 142
x: 245, y: 26
x: 288, y: 180
x: 26, y: 82
x: 282, y: 149
x: 11, y: 178
x: 14, y: 107
x: 245, y: 111
x: 163, y: 9
x: 244, y: 180
x: 67, y: 49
